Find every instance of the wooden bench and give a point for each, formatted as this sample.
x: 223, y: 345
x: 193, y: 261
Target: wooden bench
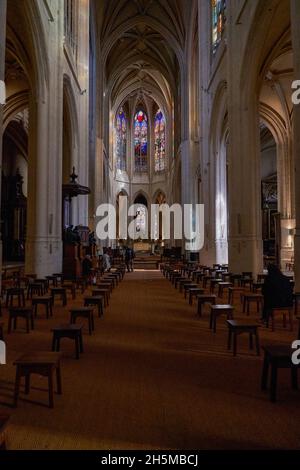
x: 236, y: 328
x: 41, y: 363
x: 83, y: 312
x: 20, y: 312
x: 277, y: 357
x: 218, y: 310
x: 70, y: 331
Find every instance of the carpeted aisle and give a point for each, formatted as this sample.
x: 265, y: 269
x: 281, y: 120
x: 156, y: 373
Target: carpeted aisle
x: 152, y: 376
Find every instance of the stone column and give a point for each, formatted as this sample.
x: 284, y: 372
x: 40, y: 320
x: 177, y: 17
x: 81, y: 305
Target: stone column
x: 2, y: 70
x: 44, y: 203
x: 295, y: 20
x: 245, y: 240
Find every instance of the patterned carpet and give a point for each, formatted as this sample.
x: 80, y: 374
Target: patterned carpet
x: 152, y: 376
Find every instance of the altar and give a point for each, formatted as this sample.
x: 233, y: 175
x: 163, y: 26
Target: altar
x: 141, y: 246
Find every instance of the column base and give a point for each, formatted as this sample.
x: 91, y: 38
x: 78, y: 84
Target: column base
x: 245, y: 254
x: 43, y: 256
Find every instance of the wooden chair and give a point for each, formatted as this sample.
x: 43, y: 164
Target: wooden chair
x: 236, y: 328
x: 41, y: 363
x: 83, y: 312
x: 277, y: 357
x: 218, y: 310
x: 20, y: 312
x: 71, y: 331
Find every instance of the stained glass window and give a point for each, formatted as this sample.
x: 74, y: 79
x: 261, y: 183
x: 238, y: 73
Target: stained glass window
x: 121, y: 140
x: 218, y: 21
x: 140, y: 141
x: 159, y: 141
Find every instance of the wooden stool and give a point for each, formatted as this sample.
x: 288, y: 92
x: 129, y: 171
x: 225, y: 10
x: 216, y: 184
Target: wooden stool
x: 45, y: 300
x: 187, y: 287
x: 222, y: 286
x: 114, y: 278
x: 205, y: 280
x: 236, y: 279
x: 216, y: 311
x: 20, y: 312
x: 177, y: 281
x: 83, y: 312
x: 95, y: 300
x: 193, y: 292
x: 213, y: 284
x: 285, y: 311
x: 52, y: 279
x: 103, y: 293
x: 231, y: 292
x: 44, y: 283
x: 61, y: 291
x: 81, y: 283
x: 257, y: 286
x: 59, y: 277
x: 105, y: 284
x: 277, y: 356
x: 236, y: 328
x: 296, y: 297
x: 41, y: 363
x: 68, y: 331
x: 34, y: 288
x: 184, y: 283
x: 4, y: 418
x: 71, y: 287
x: 15, y: 292
x: 248, y: 298
x: 202, y: 299
x: 1, y: 331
